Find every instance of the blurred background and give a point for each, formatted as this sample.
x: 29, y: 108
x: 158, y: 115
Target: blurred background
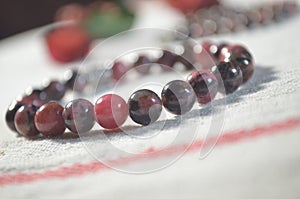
x: 17, y: 16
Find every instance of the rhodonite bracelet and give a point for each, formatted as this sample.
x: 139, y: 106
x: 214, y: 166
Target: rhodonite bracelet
x: 39, y: 113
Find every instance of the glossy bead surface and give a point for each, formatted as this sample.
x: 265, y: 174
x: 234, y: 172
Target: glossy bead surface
x: 111, y: 111
x: 229, y: 75
x: 205, y: 85
x: 79, y: 116
x: 142, y: 65
x: 49, y: 121
x: 144, y: 107
x: 10, y: 115
x: 24, y: 120
x: 55, y: 91
x: 241, y: 56
x: 178, y: 97
x: 118, y: 70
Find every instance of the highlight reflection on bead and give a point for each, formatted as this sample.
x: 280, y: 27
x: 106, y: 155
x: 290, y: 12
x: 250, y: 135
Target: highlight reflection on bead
x: 178, y: 97
x: 144, y: 107
x: 110, y: 111
x: 205, y: 85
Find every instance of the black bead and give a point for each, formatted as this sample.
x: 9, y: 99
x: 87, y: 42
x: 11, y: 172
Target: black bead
x: 178, y: 97
x: 24, y: 120
x: 10, y: 115
x: 144, y: 107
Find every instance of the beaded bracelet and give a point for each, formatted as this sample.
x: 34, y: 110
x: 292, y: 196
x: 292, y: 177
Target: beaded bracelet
x: 38, y: 112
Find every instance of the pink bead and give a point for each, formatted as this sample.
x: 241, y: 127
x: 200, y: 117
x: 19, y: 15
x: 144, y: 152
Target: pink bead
x: 118, y: 70
x: 111, y: 111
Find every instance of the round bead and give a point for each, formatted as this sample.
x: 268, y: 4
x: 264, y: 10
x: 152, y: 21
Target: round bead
x: 144, y: 107
x: 36, y: 97
x: 186, y: 63
x: 205, y: 85
x: 203, y: 55
x: 111, y: 111
x: 74, y: 81
x: 55, y: 91
x: 10, y: 115
x: 68, y: 43
x: 49, y: 121
x: 230, y: 74
x: 241, y: 56
x: 118, y: 70
x: 167, y: 60
x: 24, y: 120
x: 79, y: 116
x: 142, y: 65
x: 178, y: 97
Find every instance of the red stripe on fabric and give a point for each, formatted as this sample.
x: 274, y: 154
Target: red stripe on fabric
x: 94, y: 166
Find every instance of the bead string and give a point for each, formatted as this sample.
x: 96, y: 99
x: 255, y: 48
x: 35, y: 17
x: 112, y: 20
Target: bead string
x: 219, y: 19
x: 38, y: 112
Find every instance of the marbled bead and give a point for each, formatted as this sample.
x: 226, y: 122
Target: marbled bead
x: 110, y: 111
x: 240, y: 56
x: 79, y: 116
x: 144, y: 107
x: 205, y: 85
x: 10, y: 115
x: 229, y: 75
x: 142, y: 64
x: 49, y: 121
x: 24, y: 120
x: 178, y: 97
x: 55, y: 91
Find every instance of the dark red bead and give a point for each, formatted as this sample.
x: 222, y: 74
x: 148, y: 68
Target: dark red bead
x: 49, y: 121
x: 229, y: 75
x: 35, y: 97
x: 79, y: 116
x: 144, y: 107
x: 167, y: 60
x: 143, y: 64
x: 55, y: 91
x: 178, y: 97
x: 118, y: 70
x: 205, y: 85
x: 111, y: 111
x: 24, y: 120
x: 240, y: 56
x: 10, y: 115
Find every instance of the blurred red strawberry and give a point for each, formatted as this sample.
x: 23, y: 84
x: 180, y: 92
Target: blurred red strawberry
x: 191, y: 5
x: 68, y: 43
